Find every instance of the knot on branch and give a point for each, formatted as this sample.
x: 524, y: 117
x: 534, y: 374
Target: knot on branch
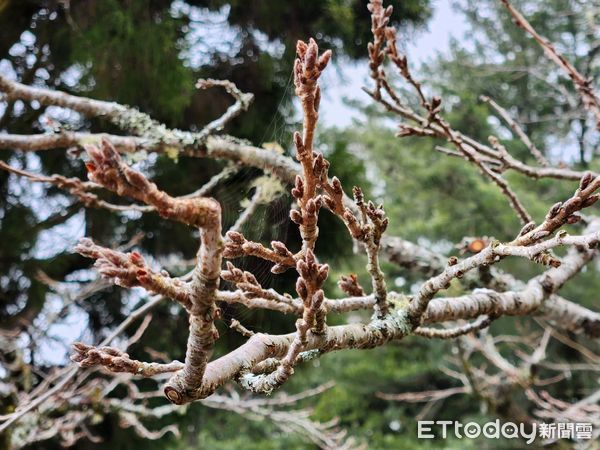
x: 472, y: 244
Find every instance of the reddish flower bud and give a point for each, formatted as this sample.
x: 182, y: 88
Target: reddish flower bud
x: 136, y: 258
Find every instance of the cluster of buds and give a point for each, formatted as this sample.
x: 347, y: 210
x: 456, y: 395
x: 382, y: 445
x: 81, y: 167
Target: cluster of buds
x: 396, y: 57
x: 573, y: 203
x: 124, y: 269
x: 236, y: 246
x: 433, y: 108
x: 349, y: 285
x: 110, y: 357
x: 405, y: 130
x: 386, y: 36
x: 77, y: 188
x: 307, y: 215
x: 334, y: 196
x: 307, y: 69
x: 563, y: 212
x: 130, y: 269
x: 586, y: 181
x: 242, y: 279
x: 117, y: 361
x: 286, y: 257
x: 540, y: 234
x: 380, y: 18
x: 373, y: 221
x: 108, y: 169
x: 74, y: 185
x: 578, y: 201
x: 309, y: 284
x: 527, y: 228
x: 318, y: 165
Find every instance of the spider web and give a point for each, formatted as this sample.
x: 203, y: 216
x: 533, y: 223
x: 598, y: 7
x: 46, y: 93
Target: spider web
x: 271, y: 220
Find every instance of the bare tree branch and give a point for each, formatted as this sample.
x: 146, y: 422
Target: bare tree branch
x: 582, y: 84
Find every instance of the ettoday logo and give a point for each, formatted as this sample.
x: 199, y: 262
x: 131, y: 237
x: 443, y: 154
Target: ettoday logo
x: 430, y: 429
